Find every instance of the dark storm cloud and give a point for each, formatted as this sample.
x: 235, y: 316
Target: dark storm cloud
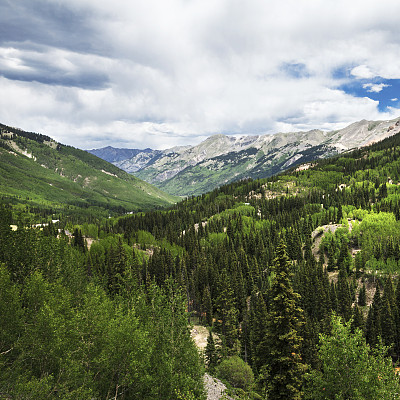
x: 47, y: 23
x: 40, y: 68
x: 38, y: 40
x: 48, y: 77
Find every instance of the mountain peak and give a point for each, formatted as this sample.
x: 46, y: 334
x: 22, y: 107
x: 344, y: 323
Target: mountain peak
x: 220, y: 159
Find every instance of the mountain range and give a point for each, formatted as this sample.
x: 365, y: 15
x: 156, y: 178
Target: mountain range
x: 221, y: 159
x: 37, y: 170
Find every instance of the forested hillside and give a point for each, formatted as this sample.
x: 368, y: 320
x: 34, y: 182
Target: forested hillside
x: 38, y: 172
x: 295, y: 275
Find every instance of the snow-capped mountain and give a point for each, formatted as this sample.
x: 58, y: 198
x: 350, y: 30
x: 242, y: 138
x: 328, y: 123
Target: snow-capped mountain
x: 221, y: 159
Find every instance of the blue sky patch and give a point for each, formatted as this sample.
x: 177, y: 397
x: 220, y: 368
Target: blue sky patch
x: 385, y: 91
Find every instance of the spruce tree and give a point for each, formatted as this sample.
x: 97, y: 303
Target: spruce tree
x: 258, y: 322
x: 344, y: 295
x: 373, y: 326
x: 207, y: 303
x: 211, y: 353
x: 362, y: 296
x: 388, y: 314
x: 284, y: 370
x: 357, y: 320
x: 228, y: 314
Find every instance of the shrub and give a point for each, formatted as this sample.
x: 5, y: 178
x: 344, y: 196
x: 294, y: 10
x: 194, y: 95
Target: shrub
x: 236, y: 372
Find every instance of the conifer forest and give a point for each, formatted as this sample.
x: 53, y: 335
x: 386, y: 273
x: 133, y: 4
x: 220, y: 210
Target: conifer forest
x: 296, y: 278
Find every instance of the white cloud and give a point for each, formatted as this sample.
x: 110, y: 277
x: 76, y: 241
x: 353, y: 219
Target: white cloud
x: 158, y: 73
x: 363, y: 72
x: 374, y: 88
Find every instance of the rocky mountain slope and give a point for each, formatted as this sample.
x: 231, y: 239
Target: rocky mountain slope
x: 220, y: 159
x: 115, y: 155
x: 36, y: 169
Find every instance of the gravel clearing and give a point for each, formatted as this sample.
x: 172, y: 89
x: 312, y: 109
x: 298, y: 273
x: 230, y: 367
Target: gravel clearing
x: 214, y: 388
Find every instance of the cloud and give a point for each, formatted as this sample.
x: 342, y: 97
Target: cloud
x: 363, y: 72
x: 158, y: 74
x: 374, y: 88
x: 53, y: 67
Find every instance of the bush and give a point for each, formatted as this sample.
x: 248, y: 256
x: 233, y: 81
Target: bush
x: 236, y: 372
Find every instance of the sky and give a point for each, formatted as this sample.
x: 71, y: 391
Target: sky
x: 161, y: 73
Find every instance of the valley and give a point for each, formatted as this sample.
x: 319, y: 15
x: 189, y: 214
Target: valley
x: 290, y: 278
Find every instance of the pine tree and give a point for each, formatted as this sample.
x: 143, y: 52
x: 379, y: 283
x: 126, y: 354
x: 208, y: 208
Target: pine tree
x: 388, y: 327
x: 284, y: 370
x: 397, y: 318
x: 344, y: 259
x: 211, y: 353
x: 358, y: 320
x: 228, y: 313
x: 331, y: 258
x: 373, y: 326
x: 344, y: 295
x: 339, y: 214
x: 78, y: 240
x: 388, y: 314
x: 207, y: 303
x: 258, y: 322
x: 362, y: 296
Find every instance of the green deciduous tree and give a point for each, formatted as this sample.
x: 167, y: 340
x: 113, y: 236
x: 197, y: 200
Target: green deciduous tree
x: 351, y: 369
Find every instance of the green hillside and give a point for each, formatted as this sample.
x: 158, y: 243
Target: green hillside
x: 296, y: 275
x: 46, y: 174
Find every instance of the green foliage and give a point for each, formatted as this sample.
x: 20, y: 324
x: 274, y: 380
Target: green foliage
x: 67, y: 335
x: 350, y: 369
x: 362, y: 296
x: 284, y: 369
x: 235, y: 371
x: 113, y: 320
x: 211, y: 353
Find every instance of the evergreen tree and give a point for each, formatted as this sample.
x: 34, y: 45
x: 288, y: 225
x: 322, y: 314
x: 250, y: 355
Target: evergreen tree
x: 388, y: 327
x: 258, y: 326
x: 344, y: 295
x: 357, y: 320
x: 284, y: 370
x: 78, y: 240
x: 388, y: 314
x: 228, y: 312
x: 362, y: 296
x: 339, y: 214
x: 207, y: 303
x: 211, y: 354
x: 373, y: 326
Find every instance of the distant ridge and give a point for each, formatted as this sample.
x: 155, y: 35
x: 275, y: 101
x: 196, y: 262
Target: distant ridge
x: 220, y: 159
x: 113, y: 155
